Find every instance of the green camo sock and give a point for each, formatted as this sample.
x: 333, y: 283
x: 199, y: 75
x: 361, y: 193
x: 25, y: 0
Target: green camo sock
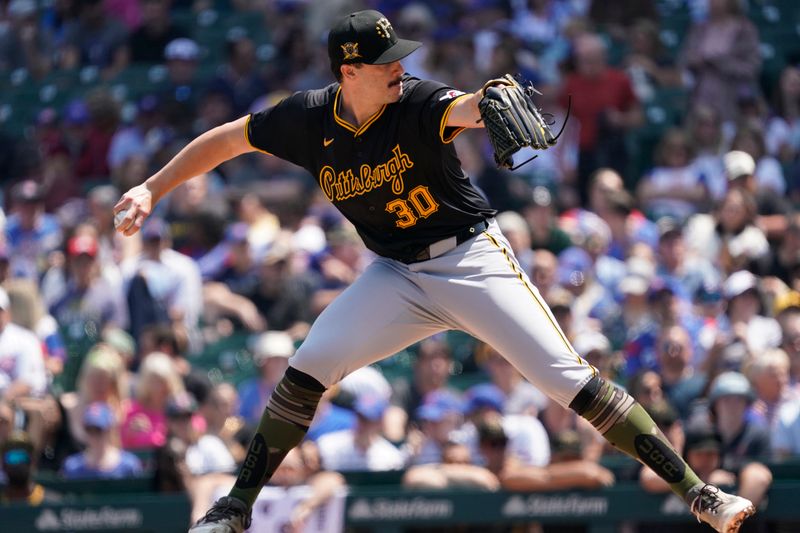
x: 283, y: 425
x: 628, y: 427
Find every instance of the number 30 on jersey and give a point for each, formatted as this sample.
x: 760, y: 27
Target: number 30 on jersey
x: 418, y: 204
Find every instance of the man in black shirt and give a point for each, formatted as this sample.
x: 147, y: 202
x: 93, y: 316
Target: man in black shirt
x: 379, y: 143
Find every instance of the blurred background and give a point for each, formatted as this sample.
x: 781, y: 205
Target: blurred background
x: 662, y: 230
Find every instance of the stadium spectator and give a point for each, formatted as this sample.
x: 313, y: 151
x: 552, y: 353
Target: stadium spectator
x: 596, y: 349
x: 219, y: 408
x: 677, y: 266
x: 703, y: 452
x: 664, y: 309
x: 214, y: 107
x: 53, y: 157
x: 730, y: 237
x: 162, y: 286
x: 439, y: 416
x: 240, y: 76
x: 25, y: 44
x: 179, y: 97
x: 504, y: 469
x: 768, y: 172
x: 521, y: 397
x: 283, y: 296
x: 528, y: 439
x: 785, y: 436
x: 295, y: 493
x: 704, y: 128
x: 588, y: 231
x: 234, y: 275
x: 330, y: 418
x: 170, y: 340
x: 363, y: 447
x: 681, y: 382
x: 144, y: 423
x: 634, y: 315
x: 89, y: 300
x: 336, y: 267
x: 645, y: 387
x: 205, y: 453
x: 758, y: 332
x: 722, y: 55
x: 674, y: 188
x: 31, y: 233
x: 605, y: 118
x: 271, y: 353
x: 543, y: 271
x: 22, y: 368
x: 782, y: 136
x: 560, y: 301
x: 101, y: 459
x: 102, y: 379
x: 94, y: 40
x: 139, y: 140
x: 147, y: 43
x: 540, y: 214
x: 19, y: 467
x: 616, y: 216
x: 593, y: 305
x: 789, y: 320
x: 744, y: 443
x: 768, y: 372
x: 196, y: 215
x: 773, y: 210
x: 709, y: 307
x: 783, y: 257
x: 646, y: 63
x: 28, y: 311
x: 431, y: 372
x: 91, y: 161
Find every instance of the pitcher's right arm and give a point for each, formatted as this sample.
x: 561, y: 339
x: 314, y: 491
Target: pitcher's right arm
x: 204, y: 153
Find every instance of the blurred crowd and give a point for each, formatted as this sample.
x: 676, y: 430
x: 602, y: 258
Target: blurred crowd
x: 671, y: 263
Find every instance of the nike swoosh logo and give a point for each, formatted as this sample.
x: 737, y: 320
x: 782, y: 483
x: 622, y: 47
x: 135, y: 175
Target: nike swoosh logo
x: 326, y: 142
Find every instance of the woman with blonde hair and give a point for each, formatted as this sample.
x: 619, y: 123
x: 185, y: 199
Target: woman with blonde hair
x: 102, y: 378
x: 144, y: 424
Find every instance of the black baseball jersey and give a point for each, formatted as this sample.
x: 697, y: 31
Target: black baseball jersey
x: 397, y: 177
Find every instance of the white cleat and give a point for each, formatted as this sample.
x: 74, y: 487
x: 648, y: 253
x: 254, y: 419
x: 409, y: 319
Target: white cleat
x: 724, y: 512
x: 227, y: 515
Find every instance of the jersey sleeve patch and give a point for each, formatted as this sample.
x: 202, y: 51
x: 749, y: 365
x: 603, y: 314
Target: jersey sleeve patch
x: 451, y: 94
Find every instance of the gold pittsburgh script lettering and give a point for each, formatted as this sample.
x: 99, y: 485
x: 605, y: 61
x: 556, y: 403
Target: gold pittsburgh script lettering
x: 345, y: 184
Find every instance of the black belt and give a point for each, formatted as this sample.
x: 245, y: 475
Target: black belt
x: 445, y: 245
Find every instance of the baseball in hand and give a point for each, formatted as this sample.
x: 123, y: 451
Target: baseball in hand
x: 119, y: 217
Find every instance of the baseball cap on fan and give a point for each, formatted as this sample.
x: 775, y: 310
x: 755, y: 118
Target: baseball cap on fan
x: 366, y: 37
x: 738, y: 163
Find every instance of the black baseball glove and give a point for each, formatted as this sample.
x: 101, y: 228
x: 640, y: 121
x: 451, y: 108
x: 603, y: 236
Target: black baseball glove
x: 512, y: 120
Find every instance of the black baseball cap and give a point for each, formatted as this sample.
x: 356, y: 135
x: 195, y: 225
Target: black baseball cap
x: 366, y: 37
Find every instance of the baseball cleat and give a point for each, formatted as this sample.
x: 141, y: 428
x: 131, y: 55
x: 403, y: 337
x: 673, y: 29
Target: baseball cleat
x: 227, y: 515
x: 724, y: 512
